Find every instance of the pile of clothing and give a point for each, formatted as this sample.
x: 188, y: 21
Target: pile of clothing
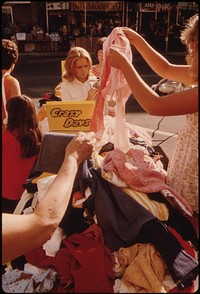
x: 114, y: 238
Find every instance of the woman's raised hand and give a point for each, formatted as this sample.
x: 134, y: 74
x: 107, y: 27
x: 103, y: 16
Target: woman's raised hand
x: 92, y: 93
x: 131, y: 35
x: 81, y: 146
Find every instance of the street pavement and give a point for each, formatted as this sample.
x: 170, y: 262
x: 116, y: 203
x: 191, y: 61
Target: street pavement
x: 39, y: 73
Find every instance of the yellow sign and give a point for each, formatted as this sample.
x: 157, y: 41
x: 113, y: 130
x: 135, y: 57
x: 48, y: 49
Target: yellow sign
x: 70, y: 116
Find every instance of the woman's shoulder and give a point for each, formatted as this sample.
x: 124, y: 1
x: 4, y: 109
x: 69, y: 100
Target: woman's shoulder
x: 67, y: 82
x: 12, y: 82
x: 10, y: 79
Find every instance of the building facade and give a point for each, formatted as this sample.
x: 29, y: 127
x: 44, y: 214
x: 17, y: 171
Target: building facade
x: 72, y: 20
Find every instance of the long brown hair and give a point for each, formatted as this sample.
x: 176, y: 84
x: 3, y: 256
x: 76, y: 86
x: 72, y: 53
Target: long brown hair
x: 22, y: 118
x: 190, y: 37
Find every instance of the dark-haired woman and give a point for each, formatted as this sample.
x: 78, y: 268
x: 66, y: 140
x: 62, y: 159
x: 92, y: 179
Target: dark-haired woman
x: 10, y: 85
x: 20, y: 146
x: 97, y: 69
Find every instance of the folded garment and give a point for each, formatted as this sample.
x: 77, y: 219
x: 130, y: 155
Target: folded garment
x: 145, y: 269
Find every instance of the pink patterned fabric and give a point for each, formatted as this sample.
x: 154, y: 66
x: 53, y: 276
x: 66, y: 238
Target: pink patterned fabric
x: 95, y: 72
x: 113, y: 81
x: 142, y: 176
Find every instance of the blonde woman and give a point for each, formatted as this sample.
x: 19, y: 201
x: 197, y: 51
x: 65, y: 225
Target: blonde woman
x: 76, y: 85
x: 182, y: 173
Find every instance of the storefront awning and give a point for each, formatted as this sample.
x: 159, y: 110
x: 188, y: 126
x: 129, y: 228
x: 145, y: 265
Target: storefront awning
x: 16, y: 2
x: 97, y: 5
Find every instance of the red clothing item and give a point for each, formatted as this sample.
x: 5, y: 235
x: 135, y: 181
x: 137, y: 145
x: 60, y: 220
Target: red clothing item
x: 15, y: 169
x: 83, y: 263
x: 96, y: 72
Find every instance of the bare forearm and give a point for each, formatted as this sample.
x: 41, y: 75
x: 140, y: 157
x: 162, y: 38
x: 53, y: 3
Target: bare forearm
x: 55, y: 202
x: 152, y: 57
x: 32, y: 231
x: 23, y: 233
x: 145, y: 96
x: 160, y: 64
x: 173, y: 104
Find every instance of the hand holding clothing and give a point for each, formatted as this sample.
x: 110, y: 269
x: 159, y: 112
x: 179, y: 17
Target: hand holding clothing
x: 92, y: 93
x: 81, y: 146
x: 132, y: 35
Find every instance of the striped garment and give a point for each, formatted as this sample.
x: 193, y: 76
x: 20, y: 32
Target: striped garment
x: 96, y: 72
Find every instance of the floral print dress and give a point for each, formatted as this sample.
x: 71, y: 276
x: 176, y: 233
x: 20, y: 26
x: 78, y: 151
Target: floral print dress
x: 182, y: 173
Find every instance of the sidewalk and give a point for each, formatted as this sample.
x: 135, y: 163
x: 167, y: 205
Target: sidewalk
x: 38, y: 54
x: 64, y: 54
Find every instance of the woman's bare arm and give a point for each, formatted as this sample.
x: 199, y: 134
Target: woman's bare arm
x: 173, y: 104
x: 157, y: 61
x: 22, y: 233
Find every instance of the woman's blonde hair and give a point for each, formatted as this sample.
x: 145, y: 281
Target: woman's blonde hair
x: 189, y: 37
x: 74, y: 54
